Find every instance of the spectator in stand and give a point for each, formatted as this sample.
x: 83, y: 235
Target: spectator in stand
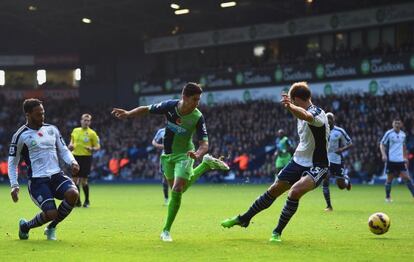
x: 242, y: 162
x: 114, y: 164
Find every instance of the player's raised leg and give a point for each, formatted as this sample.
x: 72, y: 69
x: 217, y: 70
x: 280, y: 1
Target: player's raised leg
x: 209, y: 163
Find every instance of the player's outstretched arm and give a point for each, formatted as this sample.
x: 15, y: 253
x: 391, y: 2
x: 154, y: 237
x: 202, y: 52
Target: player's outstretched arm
x: 298, y: 112
x: 136, y: 112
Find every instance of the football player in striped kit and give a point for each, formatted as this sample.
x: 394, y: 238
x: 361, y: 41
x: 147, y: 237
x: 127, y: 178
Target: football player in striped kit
x: 394, y: 154
x: 339, y: 142
x: 41, y: 146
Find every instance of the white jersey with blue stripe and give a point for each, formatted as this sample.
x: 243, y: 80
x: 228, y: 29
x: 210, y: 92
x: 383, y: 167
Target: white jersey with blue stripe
x: 159, y: 136
x: 313, y: 144
x: 394, y: 141
x: 40, y: 149
x: 337, y: 139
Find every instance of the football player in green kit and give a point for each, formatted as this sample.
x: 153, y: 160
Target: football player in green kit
x: 282, y: 153
x: 183, y: 119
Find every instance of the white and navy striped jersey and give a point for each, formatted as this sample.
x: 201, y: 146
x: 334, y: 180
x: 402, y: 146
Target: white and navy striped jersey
x: 159, y: 136
x: 40, y: 149
x: 313, y: 140
x: 337, y: 139
x: 394, y: 143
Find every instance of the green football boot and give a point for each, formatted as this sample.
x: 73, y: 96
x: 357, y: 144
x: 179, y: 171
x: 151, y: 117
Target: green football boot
x: 276, y: 237
x: 230, y: 222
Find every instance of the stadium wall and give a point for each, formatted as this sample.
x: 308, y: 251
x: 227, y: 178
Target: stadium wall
x: 375, y: 86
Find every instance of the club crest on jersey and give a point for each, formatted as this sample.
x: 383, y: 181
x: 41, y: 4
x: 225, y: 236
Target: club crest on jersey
x: 179, y: 121
x: 176, y: 128
x: 39, y: 199
x: 188, y: 122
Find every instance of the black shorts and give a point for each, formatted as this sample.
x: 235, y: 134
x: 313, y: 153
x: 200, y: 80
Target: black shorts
x: 395, y: 168
x: 44, y: 190
x: 85, y: 163
x: 336, y: 170
x: 292, y: 173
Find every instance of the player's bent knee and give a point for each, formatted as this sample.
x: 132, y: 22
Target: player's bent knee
x: 296, y: 193
x: 278, y: 188
x: 273, y: 187
x: 51, y: 214
x: 84, y: 181
x: 72, y: 195
x: 177, y: 188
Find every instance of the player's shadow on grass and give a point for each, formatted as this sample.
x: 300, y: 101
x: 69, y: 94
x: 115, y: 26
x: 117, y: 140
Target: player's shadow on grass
x: 382, y: 238
x: 38, y: 244
x: 237, y: 241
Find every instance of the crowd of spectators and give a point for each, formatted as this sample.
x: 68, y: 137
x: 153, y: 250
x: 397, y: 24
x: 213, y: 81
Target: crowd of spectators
x: 244, y: 133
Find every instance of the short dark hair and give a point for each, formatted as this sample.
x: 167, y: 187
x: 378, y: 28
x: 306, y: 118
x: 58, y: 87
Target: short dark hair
x: 300, y: 90
x: 396, y: 119
x: 31, y: 103
x: 191, y: 89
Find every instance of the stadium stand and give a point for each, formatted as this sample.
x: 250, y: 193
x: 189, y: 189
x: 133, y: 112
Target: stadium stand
x: 235, y: 129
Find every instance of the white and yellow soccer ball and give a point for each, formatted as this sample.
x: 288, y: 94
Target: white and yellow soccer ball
x: 379, y: 223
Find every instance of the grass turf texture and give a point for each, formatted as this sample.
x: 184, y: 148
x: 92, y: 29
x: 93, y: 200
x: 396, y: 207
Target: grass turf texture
x: 124, y: 223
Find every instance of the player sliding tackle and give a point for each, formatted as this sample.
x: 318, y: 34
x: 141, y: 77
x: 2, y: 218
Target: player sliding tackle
x: 183, y: 119
x: 305, y: 171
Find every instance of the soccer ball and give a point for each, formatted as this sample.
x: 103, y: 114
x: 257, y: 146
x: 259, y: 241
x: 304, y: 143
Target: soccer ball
x: 379, y: 223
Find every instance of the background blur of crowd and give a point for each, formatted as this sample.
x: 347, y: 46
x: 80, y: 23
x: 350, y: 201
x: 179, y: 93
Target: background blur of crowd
x: 244, y: 133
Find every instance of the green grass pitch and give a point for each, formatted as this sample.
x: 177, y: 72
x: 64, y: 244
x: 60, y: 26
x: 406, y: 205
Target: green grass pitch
x: 124, y: 223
